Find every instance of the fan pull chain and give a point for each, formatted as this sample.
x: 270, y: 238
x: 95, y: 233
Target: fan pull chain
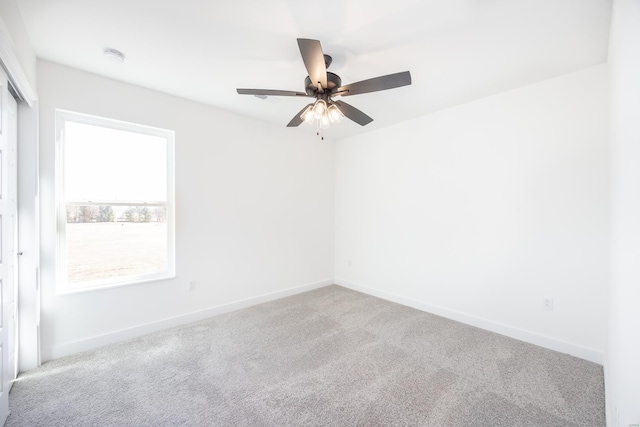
x: 320, y: 131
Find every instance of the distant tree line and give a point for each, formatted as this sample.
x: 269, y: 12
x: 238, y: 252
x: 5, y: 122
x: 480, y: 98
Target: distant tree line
x: 77, y: 214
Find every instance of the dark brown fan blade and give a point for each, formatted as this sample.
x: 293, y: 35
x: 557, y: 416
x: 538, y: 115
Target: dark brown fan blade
x: 389, y: 81
x: 313, y: 58
x: 353, y: 113
x: 297, y: 119
x: 269, y: 92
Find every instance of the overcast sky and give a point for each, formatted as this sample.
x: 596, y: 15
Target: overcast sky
x: 111, y: 164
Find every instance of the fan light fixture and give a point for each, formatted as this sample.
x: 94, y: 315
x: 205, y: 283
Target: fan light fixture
x: 321, y: 114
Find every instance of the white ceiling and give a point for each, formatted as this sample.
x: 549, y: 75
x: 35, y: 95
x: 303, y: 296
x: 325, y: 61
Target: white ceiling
x: 456, y: 50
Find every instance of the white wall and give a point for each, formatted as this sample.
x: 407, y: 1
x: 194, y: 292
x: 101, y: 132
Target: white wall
x: 254, y: 207
x: 622, y: 368
x: 11, y: 22
x: 480, y: 211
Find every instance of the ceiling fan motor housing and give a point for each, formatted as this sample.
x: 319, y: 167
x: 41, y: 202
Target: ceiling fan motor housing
x: 333, y: 81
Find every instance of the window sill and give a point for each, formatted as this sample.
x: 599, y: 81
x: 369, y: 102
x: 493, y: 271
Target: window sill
x: 104, y: 285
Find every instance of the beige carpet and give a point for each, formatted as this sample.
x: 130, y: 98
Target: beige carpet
x: 326, y: 357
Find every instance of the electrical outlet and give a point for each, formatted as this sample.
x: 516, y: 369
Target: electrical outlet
x: 547, y: 303
x: 192, y: 286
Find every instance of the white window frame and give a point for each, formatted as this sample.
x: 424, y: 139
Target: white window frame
x: 62, y: 287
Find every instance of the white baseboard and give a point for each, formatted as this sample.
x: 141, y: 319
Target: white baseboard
x: 489, y: 325
x: 500, y: 328
x: 91, y: 343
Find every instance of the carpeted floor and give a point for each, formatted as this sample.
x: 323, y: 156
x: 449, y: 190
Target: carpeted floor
x: 326, y: 357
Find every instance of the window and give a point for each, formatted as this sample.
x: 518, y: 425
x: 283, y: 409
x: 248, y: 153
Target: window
x: 115, y: 203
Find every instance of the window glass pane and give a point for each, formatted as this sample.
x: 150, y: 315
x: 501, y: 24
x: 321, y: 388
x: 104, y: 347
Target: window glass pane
x: 106, y: 242
x: 111, y: 164
x: 115, y: 206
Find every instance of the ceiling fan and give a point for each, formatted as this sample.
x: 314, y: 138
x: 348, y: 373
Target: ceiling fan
x: 324, y: 85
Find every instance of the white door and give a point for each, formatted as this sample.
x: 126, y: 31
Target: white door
x: 8, y: 222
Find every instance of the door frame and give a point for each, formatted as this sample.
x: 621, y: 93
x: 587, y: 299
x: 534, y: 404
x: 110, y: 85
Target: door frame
x: 28, y: 206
